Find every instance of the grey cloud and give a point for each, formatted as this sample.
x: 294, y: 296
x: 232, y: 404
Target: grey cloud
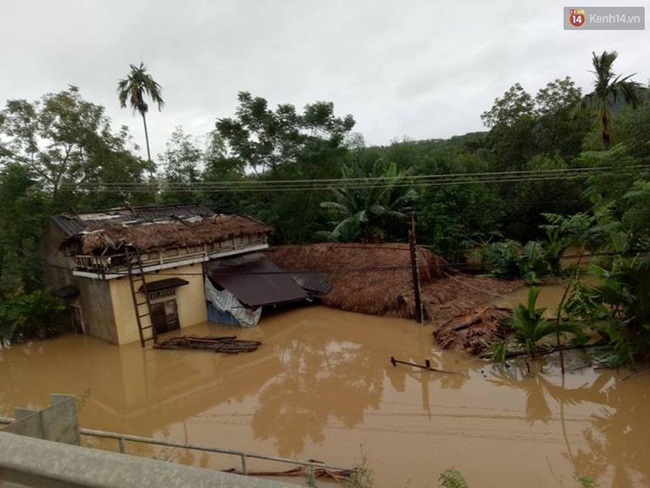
x: 415, y: 68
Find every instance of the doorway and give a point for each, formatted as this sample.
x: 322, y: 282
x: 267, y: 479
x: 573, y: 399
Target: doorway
x: 164, y: 316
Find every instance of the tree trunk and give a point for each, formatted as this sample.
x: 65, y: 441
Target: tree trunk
x: 146, y: 136
x: 605, y: 132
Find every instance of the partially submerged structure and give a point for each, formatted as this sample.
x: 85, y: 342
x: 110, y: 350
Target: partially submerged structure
x: 475, y: 331
x: 130, y: 274
x: 377, y: 279
x: 238, y: 287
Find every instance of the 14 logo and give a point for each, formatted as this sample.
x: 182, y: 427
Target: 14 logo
x: 577, y: 18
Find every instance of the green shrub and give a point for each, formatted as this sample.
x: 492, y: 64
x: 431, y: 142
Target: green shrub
x: 451, y: 478
x: 509, y: 259
x: 32, y: 315
x: 530, y: 327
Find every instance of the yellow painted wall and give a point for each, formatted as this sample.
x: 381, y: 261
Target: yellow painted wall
x: 189, y: 298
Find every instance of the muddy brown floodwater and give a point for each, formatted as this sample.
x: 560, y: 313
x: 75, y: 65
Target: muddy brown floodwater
x: 322, y: 387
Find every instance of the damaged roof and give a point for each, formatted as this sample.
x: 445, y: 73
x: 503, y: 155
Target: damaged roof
x: 255, y: 280
x: 74, y: 222
x: 154, y: 227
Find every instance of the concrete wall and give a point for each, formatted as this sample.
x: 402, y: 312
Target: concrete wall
x: 189, y: 298
x: 58, y: 267
x: 37, y: 463
x: 107, y: 305
x: 94, y: 295
x: 97, y: 309
x: 57, y: 422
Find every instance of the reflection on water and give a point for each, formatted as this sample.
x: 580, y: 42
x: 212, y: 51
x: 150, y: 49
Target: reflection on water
x: 549, y: 296
x: 322, y: 387
x: 618, y: 436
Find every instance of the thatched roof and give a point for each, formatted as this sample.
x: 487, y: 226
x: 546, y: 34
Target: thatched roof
x: 475, y: 330
x: 376, y: 279
x: 166, y: 233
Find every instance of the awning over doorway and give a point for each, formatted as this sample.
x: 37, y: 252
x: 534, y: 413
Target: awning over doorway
x: 165, y: 284
x: 69, y: 291
x: 255, y: 280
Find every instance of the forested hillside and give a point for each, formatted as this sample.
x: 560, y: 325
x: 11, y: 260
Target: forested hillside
x: 556, y: 168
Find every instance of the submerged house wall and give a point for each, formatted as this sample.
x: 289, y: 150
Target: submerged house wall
x: 57, y: 265
x: 97, y: 309
x: 190, y: 301
x: 90, y: 256
x: 94, y: 300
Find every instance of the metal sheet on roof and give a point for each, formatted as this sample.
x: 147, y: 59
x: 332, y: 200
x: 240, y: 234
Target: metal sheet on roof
x: 255, y: 280
x: 73, y: 223
x: 314, y: 283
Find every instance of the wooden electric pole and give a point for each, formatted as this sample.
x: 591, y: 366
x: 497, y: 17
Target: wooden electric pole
x: 419, y: 312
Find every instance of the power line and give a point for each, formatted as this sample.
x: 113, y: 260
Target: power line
x: 421, y: 181
x: 410, y: 178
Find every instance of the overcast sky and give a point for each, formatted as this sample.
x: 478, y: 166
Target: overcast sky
x: 416, y: 69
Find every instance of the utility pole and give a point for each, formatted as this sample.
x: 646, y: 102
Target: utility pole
x: 419, y: 312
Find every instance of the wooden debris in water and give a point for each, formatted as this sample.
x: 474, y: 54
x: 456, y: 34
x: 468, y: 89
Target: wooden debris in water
x: 426, y: 365
x: 223, y: 344
x: 475, y: 330
x: 338, y: 475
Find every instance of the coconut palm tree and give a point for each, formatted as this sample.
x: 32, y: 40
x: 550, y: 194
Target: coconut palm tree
x: 370, y: 204
x: 133, y: 89
x: 609, y: 90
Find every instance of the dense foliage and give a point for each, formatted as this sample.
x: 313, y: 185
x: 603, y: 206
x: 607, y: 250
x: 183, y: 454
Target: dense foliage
x: 519, y: 194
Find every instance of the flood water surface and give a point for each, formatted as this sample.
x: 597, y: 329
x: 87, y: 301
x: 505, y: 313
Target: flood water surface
x: 322, y: 387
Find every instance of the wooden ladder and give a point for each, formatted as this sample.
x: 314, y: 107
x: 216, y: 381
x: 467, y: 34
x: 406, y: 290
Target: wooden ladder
x: 142, y: 307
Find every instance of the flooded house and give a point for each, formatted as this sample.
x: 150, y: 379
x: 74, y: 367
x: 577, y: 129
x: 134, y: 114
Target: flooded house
x: 129, y: 274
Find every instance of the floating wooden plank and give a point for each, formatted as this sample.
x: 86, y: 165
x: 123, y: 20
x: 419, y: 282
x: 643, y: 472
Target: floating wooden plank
x: 339, y: 476
x: 222, y: 344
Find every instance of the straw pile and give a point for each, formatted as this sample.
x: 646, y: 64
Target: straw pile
x: 170, y: 233
x: 474, y: 331
x: 376, y: 279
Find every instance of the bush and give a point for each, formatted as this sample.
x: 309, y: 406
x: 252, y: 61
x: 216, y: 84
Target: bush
x: 27, y: 316
x: 452, y: 478
x: 509, y: 259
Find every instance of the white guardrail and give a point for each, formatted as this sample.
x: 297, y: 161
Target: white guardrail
x: 310, y: 466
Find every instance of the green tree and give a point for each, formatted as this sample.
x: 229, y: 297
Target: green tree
x: 132, y: 90
x: 560, y: 130
x: 283, y: 144
x: 70, y: 148
x: 609, y: 91
x: 511, y: 121
x: 219, y: 168
x: 263, y: 139
x: 366, y: 209
x: 182, y: 163
x: 26, y: 310
x: 634, y: 130
x: 619, y: 305
x: 22, y: 214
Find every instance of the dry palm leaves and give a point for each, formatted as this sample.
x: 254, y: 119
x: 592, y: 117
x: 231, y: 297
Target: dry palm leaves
x: 367, y: 278
x: 167, y: 233
x: 475, y: 330
x: 376, y: 279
